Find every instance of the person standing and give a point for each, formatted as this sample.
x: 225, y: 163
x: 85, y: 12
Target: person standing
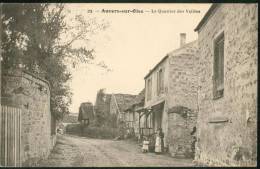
x: 159, y: 145
x: 145, y: 147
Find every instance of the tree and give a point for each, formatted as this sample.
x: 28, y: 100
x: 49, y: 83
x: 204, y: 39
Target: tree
x: 33, y: 39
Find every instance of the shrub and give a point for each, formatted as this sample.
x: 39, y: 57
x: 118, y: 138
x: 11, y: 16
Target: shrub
x: 92, y: 131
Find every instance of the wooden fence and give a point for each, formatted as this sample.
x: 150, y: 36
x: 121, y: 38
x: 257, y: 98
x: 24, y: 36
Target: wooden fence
x: 10, y: 136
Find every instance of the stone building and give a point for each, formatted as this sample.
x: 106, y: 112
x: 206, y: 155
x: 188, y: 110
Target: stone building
x: 31, y: 94
x: 120, y: 102
x: 226, y: 129
x: 171, y: 98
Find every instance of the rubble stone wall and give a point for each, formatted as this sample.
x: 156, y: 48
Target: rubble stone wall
x: 32, y: 95
x: 232, y: 141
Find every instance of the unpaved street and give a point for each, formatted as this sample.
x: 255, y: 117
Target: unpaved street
x: 88, y: 152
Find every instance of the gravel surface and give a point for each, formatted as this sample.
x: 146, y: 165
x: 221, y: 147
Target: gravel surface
x: 87, y: 152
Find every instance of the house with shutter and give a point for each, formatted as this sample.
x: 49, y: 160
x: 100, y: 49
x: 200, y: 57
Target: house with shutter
x: 227, y: 119
x: 171, y: 98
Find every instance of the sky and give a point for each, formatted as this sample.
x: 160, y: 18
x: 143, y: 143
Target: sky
x: 132, y: 45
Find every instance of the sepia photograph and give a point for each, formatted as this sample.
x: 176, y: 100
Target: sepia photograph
x: 128, y: 84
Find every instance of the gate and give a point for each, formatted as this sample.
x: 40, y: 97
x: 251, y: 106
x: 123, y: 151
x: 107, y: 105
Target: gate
x: 10, y: 136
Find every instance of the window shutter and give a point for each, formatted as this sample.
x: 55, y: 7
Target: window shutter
x: 151, y: 87
x: 162, y: 84
x: 146, y: 89
x: 221, y: 58
x: 216, y: 64
x: 158, y: 83
x: 218, y: 77
x: 149, y: 90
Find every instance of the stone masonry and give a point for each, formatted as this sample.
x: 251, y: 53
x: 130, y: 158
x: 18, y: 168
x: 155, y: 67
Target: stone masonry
x: 180, y: 97
x: 232, y: 141
x: 182, y: 100
x: 32, y: 95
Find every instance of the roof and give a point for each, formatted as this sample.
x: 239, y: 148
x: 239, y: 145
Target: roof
x: 164, y: 58
x: 206, y: 16
x: 124, y: 100
x: 140, y: 96
x: 139, y: 100
x: 180, y: 50
x: 86, y: 104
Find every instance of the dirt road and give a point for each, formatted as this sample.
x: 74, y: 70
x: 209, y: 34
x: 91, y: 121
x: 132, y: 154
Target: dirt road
x: 88, y: 152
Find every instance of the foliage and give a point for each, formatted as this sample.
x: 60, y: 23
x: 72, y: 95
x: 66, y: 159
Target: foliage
x: 111, y: 120
x: 37, y: 38
x: 100, y: 117
x: 103, y: 118
x: 92, y: 131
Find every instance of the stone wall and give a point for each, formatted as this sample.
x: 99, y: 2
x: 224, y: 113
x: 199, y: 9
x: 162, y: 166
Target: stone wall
x: 182, y: 100
x: 32, y: 95
x: 182, y: 129
x: 232, y: 142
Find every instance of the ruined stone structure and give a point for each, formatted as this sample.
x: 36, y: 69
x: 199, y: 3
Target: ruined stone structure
x: 102, y: 104
x: 227, y: 124
x: 32, y: 95
x: 171, y: 98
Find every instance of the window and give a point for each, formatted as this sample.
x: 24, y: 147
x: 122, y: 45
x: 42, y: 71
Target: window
x: 149, y: 89
x: 160, y: 81
x: 218, y: 75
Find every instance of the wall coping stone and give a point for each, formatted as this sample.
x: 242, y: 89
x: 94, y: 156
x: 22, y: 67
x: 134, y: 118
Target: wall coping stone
x: 20, y: 73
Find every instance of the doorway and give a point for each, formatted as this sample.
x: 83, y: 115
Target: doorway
x: 157, y: 112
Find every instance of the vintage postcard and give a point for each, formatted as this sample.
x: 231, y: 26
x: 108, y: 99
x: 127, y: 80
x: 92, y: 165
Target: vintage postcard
x: 128, y: 85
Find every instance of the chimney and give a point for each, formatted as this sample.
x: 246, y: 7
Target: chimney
x: 182, y: 39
